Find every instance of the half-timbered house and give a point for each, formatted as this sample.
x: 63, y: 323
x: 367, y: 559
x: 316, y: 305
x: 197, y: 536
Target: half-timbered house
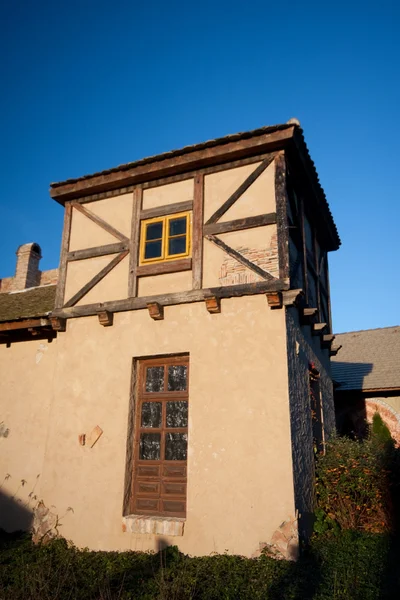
x: 188, y: 386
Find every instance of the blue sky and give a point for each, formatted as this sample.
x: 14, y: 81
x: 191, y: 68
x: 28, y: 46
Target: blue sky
x: 92, y: 84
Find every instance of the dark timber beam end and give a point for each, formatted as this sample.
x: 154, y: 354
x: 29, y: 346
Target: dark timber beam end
x: 318, y: 328
x: 326, y: 340
x: 58, y: 323
x: 307, y: 315
x: 292, y: 297
x: 106, y: 318
x: 334, y: 350
x: 274, y: 299
x: 213, y: 304
x: 156, y: 311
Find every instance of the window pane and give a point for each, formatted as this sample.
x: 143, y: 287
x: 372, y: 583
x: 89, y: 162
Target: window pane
x: 149, y: 447
x: 177, y: 245
x: 176, y: 446
x: 177, y: 414
x: 153, y: 250
x: 151, y: 414
x: 155, y: 379
x: 154, y: 231
x: 177, y: 378
x: 177, y: 226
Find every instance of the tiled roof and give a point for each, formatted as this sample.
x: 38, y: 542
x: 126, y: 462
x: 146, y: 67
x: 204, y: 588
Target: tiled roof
x: 33, y: 302
x: 368, y: 360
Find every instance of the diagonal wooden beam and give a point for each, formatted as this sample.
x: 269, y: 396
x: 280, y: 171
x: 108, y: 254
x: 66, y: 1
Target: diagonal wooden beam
x: 240, y: 258
x: 86, y: 288
x: 99, y: 221
x: 241, y: 189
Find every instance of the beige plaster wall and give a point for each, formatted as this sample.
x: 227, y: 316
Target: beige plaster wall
x: 240, y: 483
x: 168, y: 194
x: 165, y: 284
x: 259, y: 198
x: 26, y: 388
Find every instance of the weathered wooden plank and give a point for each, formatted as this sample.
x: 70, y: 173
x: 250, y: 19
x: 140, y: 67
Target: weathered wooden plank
x: 166, y: 209
x: 197, y: 233
x: 97, y: 251
x: 134, y: 241
x: 99, y: 221
x: 95, y: 280
x: 62, y: 271
x: 241, y: 189
x: 186, y: 297
x: 240, y: 258
x: 172, y: 165
x: 169, y: 266
x: 24, y: 324
x: 239, y: 224
x: 281, y: 200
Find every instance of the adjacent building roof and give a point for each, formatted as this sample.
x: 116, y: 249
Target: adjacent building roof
x: 368, y: 360
x: 33, y: 302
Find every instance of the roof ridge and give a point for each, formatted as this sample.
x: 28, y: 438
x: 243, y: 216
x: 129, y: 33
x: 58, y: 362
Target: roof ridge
x: 364, y: 330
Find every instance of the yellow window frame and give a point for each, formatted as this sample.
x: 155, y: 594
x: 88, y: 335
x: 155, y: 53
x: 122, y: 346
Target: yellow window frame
x: 165, y: 256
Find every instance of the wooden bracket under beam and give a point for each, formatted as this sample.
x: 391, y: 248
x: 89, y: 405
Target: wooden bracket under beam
x: 58, y: 323
x: 106, y: 318
x: 334, y: 350
x: 213, y: 304
x: 307, y: 314
x: 318, y: 328
x: 326, y: 340
x: 292, y: 297
x: 156, y: 311
x: 274, y: 299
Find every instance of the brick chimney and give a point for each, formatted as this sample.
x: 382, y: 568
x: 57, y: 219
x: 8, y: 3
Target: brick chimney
x: 27, y: 273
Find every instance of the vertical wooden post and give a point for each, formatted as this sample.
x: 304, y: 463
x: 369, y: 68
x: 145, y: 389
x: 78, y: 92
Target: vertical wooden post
x: 62, y: 272
x: 281, y: 216
x: 134, y: 241
x: 304, y: 248
x: 197, y: 233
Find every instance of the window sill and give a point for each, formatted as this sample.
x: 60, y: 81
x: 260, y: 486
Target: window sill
x: 167, y: 266
x: 171, y: 526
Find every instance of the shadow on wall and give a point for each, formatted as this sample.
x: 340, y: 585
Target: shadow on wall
x: 350, y: 409
x: 14, y: 515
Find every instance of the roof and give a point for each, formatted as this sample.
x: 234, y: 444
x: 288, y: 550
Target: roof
x: 197, y: 155
x: 33, y: 302
x: 368, y: 360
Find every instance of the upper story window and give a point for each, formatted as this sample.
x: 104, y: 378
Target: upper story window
x: 165, y: 238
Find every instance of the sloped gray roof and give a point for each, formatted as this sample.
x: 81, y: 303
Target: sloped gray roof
x: 33, y: 302
x: 368, y: 360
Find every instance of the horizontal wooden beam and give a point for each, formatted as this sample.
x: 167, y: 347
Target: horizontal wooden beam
x: 171, y: 266
x: 172, y: 164
x: 24, y: 324
x: 166, y: 209
x: 239, y: 224
x: 233, y: 291
x: 97, y: 251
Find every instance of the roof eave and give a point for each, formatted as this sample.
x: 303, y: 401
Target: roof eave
x: 174, y: 163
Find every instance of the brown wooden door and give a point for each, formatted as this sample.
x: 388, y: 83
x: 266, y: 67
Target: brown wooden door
x: 160, y: 454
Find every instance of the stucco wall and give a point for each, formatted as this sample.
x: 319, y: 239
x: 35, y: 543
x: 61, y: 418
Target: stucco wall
x: 26, y: 390
x: 303, y: 348
x: 240, y: 483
